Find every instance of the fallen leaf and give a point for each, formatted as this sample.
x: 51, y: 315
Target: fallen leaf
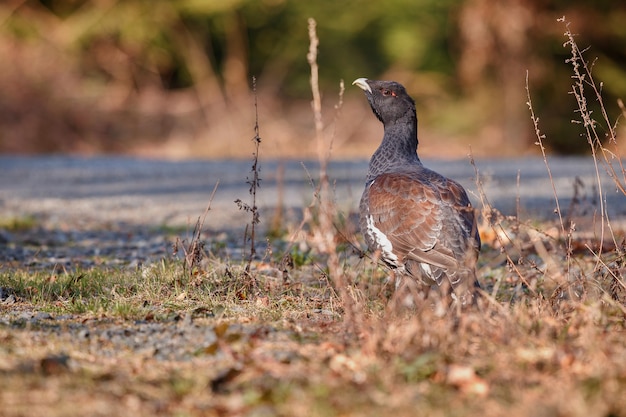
x: 465, y: 379
x: 55, y: 365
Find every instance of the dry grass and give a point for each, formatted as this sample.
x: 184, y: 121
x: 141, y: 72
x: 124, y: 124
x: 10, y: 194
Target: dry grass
x: 317, y: 338
x: 286, y: 351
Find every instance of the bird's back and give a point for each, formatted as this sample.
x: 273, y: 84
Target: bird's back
x: 423, y: 224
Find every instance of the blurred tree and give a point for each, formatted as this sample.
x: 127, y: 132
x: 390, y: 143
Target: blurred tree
x: 495, y: 52
x: 501, y: 39
x: 103, y: 71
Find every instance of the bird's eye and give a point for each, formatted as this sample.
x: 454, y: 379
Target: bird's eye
x: 387, y: 92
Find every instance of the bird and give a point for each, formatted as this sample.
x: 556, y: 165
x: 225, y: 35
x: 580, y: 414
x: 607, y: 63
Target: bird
x: 420, y: 223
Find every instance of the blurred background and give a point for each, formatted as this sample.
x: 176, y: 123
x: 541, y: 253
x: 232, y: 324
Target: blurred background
x: 173, y: 78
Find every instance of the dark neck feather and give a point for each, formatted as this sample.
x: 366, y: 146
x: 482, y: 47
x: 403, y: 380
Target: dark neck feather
x: 398, y: 148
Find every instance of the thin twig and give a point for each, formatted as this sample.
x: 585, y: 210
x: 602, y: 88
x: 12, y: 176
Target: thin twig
x: 312, y: 60
x: 540, y: 138
x: 193, y: 251
x: 582, y: 76
x: 589, y: 124
x: 325, y: 233
x: 254, y: 184
x: 585, y: 77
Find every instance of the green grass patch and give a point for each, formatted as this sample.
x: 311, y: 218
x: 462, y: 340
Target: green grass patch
x: 18, y: 224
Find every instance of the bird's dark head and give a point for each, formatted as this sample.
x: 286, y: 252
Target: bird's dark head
x: 388, y: 99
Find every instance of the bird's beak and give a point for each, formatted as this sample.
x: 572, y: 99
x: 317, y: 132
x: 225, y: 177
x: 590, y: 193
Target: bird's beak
x: 362, y: 84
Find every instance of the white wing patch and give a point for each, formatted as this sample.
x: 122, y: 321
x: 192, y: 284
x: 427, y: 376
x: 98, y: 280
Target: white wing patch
x: 426, y: 269
x: 382, y: 242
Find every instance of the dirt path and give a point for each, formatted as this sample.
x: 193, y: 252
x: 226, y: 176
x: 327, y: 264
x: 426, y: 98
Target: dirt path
x: 87, y: 191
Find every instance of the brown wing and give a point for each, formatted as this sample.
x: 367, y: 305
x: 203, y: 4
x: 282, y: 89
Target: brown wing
x: 426, y: 217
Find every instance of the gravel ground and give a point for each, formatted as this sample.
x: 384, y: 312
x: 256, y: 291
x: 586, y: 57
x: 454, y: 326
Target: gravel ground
x: 55, y: 249
x: 174, y: 339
